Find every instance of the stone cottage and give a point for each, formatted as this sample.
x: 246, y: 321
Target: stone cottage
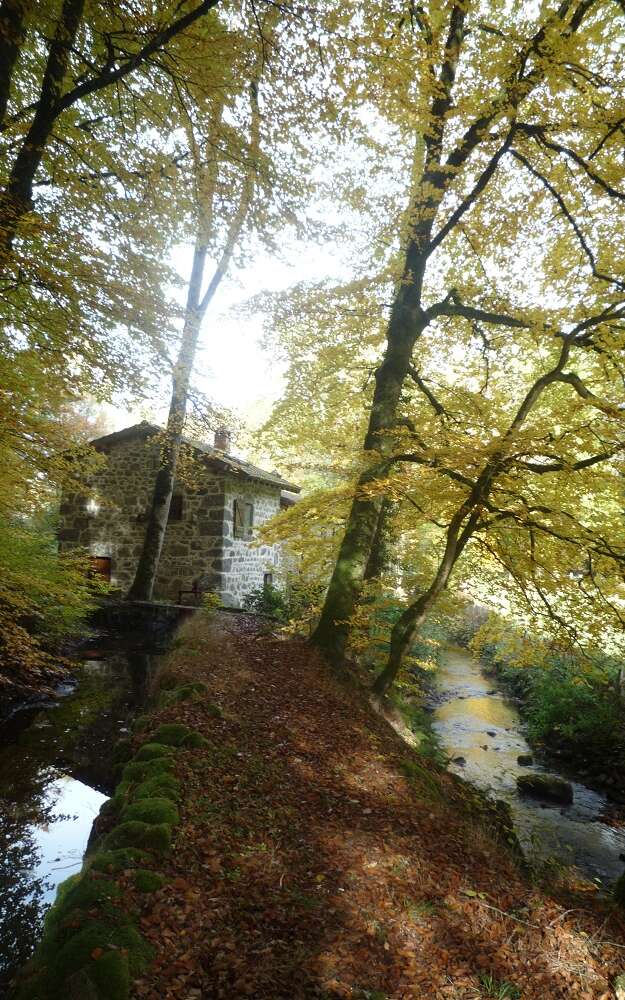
x: 212, y: 524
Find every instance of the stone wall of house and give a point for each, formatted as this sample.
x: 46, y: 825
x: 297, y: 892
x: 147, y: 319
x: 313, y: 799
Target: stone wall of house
x: 244, y: 564
x: 112, y: 523
x: 200, y: 547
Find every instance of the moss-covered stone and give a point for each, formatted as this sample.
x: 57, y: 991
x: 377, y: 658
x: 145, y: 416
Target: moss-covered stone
x: 64, y: 887
x: 152, y: 810
x: 161, y: 786
x: 87, y: 892
x: 134, y: 833
x: 84, y: 947
x: 141, y: 770
x: 112, y: 807
x: 545, y: 786
x: 140, y: 723
x: 119, y: 860
x: 111, y: 975
x: 151, y: 750
x: 175, y: 734
x: 122, y: 751
x: 185, y: 692
x: 80, y: 985
x: 148, y: 881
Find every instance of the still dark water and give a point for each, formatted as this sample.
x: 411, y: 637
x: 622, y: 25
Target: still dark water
x: 480, y: 725
x: 56, y: 770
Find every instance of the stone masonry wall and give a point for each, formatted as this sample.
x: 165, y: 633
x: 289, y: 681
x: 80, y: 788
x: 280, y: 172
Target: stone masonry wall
x: 115, y: 528
x: 244, y: 564
x: 199, y: 547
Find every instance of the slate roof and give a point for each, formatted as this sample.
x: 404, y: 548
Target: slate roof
x: 227, y: 463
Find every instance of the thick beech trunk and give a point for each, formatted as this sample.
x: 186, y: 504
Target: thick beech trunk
x: 380, y: 554
x: 16, y: 199
x: 406, y: 325
x: 12, y: 30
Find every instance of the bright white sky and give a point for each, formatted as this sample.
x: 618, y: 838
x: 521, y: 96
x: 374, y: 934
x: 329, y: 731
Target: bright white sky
x: 231, y: 367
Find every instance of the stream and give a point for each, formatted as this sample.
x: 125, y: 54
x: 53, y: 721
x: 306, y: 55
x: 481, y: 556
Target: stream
x: 477, y: 724
x: 56, y: 770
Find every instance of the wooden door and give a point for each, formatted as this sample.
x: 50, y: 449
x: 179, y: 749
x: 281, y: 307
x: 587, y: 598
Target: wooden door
x: 101, y: 566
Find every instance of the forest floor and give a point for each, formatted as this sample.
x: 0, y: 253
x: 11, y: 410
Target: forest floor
x: 319, y: 856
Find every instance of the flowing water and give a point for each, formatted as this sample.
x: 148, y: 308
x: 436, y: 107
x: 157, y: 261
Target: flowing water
x: 56, y: 770
x: 479, y: 725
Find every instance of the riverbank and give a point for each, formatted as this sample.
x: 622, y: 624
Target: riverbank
x: 314, y: 854
x: 599, y: 763
x: 482, y: 732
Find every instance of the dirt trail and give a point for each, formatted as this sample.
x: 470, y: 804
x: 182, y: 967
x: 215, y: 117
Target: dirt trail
x: 319, y: 857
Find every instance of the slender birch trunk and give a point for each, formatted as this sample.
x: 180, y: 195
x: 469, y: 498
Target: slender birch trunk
x: 465, y: 521
x: 197, y: 304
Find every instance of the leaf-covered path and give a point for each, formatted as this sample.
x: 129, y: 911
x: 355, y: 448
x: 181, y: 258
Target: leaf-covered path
x: 318, y: 857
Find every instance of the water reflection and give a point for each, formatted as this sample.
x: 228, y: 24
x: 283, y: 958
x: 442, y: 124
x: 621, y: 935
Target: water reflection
x: 55, y: 772
x: 478, y: 726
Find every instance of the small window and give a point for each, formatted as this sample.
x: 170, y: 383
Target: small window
x: 175, y: 507
x: 243, y: 516
x: 268, y: 580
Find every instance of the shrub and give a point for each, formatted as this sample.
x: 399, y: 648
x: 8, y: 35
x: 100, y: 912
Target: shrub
x: 44, y: 597
x: 210, y: 601
x: 563, y: 706
x: 269, y: 601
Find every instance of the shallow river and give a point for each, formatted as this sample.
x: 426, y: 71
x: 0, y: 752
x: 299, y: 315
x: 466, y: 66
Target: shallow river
x: 478, y: 724
x: 56, y: 770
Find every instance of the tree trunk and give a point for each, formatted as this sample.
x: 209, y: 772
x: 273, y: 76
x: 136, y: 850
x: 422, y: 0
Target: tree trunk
x: 379, y: 557
x: 197, y: 304
x: 408, y: 624
x: 147, y: 567
x: 405, y: 326
x: 402, y: 635
x: 12, y: 30
x: 16, y: 199
x: 407, y: 321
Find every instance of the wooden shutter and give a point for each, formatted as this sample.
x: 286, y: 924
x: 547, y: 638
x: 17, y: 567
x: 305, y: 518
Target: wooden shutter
x: 239, y: 522
x: 249, y: 519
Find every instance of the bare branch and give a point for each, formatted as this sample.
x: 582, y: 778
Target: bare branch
x: 568, y: 216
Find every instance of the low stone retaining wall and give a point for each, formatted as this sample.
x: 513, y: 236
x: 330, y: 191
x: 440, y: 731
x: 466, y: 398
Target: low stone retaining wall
x: 92, y: 947
x: 150, y: 617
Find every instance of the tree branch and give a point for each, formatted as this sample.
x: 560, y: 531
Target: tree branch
x: 109, y: 74
x: 567, y: 214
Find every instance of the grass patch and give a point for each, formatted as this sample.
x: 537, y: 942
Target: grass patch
x: 498, y: 989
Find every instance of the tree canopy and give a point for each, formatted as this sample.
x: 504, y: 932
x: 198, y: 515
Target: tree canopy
x: 477, y: 356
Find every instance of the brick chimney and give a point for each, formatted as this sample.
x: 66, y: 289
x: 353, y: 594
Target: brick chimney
x: 223, y: 439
